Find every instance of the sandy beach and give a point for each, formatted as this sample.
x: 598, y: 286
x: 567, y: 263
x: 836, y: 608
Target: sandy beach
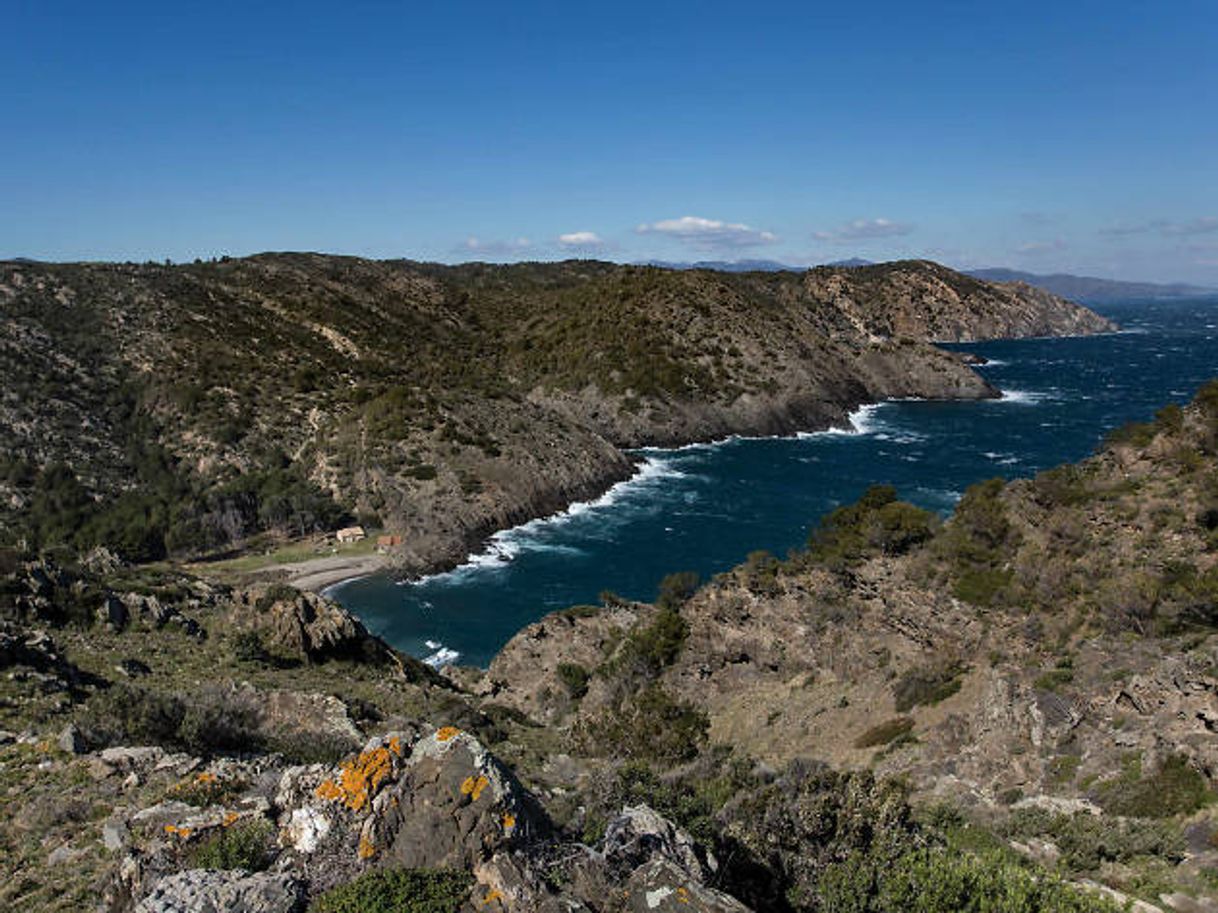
x: 316, y: 574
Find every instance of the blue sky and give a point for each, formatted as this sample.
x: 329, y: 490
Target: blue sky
x: 1076, y: 136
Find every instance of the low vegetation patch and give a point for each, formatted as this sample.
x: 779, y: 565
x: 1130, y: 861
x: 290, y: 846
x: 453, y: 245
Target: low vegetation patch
x: 399, y: 891
x: 927, y: 686
x: 245, y: 845
x: 1175, y: 788
x: 888, y: 731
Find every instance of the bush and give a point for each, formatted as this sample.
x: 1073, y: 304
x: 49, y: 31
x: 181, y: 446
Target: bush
x: 1088, y: 841
x: 399, y: 891
x: 929, y: 686
x: 676, y: 589
x: 650, y: 725
x: 205, y: 722
x: 245, y: 845
x: 1174, y: 789
x: 885, y: 732
x: 575, y: 678
x: 935, y: 881
x: 875, y: 524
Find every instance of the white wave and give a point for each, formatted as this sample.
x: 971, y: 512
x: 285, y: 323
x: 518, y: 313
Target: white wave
x: 1023, y: 397
x: 992, y: 363
x: 507, y: 544
x: 443, y: 656
x: 432, y: 644
x: 861, y: 421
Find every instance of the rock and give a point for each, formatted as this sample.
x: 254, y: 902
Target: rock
x: 7, y: 737
x: 132, y: 668
x: 309, y: 626
x: 113, y: 613
x: 506, y: 882
x: 206, y: 891
x: 640, y: 834
x: 189, y: 626
x: 1182, y: 903
x: 115, y: 834
x: 62, y: 855
x: 660, y: 886
x: 455, y: 805
x: 70, y: 740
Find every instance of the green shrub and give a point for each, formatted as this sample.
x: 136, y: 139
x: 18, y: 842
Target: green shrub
x: 245, y: 845
x: 399, y: 891
x: 676, y: 589
x: 1175, y: 788
x: 1088, y: 841
x: 918, y: 687
x: 575, y: 678
x: 650, y: 725
x: 934, y: 881
x: 885, y: 732
x: 875, y: 524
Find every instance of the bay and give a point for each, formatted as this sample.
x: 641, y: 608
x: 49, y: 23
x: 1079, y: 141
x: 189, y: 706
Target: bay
x: 706, y: 507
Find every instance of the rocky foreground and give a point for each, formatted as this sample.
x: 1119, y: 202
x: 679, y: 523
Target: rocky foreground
x: 184, y: 411
x: 1009, y: 711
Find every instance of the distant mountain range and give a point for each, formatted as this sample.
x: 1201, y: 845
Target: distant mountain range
x: 1078, y: 288
x: 1091, y: 288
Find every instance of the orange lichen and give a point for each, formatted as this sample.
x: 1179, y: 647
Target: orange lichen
x: 395, y: 745
x: 473, y: 787
x: 358, y: 780
x: 230, y: 818
x: 509, y: 821
x: 182, y: 832
x: 205, y: 778
x: 491, y: 896
x: 367, y: 849
x: 682, y: 895
x: 446, y: 733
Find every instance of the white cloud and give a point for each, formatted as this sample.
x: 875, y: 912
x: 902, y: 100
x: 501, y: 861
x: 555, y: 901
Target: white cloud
x: 494, y: 248
x: 864, y: 230
x: 1042, y: 247
x: 1203, y: 226
x: 582, y: 240
x: 708, y: 234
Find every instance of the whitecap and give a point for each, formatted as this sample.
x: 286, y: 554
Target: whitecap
x: 443, y: 656
x: 432, y: 644
x: 1023, y: 397
x: 507, y: 544
x: 992, y: 363
x: 861, y: 421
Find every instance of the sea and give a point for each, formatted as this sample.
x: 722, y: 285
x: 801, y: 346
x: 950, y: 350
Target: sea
x: 705, y: 507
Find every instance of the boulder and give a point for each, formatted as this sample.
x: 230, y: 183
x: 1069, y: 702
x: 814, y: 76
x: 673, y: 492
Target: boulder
x: 640, y: 834
x: 307, y: 625
x: 113, y: 613
x: 70, y: 740
x: 207, y: 891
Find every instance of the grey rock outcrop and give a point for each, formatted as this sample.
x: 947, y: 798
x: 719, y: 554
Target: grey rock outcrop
x: 207, y: 891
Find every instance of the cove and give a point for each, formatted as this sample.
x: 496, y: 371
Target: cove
x: 705, y: 507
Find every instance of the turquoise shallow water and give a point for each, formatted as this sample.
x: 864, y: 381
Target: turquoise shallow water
x: 705, y: 507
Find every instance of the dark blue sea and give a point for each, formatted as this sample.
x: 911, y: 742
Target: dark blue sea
x: 705, y: 507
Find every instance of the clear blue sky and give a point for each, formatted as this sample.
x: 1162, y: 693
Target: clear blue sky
x: 1066, y: 135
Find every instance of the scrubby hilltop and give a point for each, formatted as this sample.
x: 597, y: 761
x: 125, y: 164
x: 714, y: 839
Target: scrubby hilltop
x: 178, y: 409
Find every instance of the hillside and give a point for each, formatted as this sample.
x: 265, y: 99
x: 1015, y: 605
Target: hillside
x: 181, y: 409
x: 1011, y: 710
x: 1045, y: 659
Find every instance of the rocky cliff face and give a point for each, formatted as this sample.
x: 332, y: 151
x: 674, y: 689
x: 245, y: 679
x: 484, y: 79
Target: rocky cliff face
x: 222, y: 398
